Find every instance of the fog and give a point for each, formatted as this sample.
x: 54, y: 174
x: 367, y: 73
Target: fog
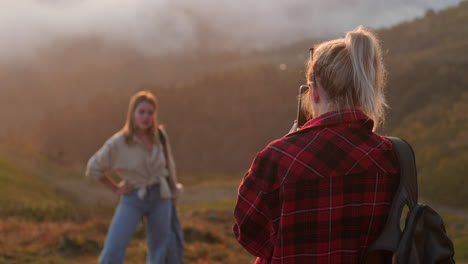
x: 165, y: 26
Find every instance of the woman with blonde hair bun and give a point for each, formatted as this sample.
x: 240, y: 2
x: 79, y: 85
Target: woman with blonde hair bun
x: 322, y: 193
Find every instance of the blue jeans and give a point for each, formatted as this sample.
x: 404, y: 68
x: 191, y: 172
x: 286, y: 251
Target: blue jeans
x: 129, y: 213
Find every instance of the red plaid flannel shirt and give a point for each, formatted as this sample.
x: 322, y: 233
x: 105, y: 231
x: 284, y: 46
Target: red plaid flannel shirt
x: 318, y: 195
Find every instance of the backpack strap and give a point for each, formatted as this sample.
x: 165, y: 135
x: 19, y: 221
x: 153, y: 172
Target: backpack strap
x: 167, y: 154
x: 406, y: 194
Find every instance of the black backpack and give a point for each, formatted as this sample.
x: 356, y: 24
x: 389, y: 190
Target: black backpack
x: 423, y: 240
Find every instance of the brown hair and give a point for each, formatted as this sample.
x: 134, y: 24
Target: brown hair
x: 129, y: 128
x: 351, y: 72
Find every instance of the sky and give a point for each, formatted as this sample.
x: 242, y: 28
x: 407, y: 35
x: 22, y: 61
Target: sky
x: 162, y: 26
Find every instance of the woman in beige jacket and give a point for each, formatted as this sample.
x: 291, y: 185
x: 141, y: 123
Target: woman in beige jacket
x: 140, y: 155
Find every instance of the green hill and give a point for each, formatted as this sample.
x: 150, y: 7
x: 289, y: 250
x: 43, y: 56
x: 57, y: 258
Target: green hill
x: 439, y: 136
x: 37, y: 188
x: 25, y: 191
x: 427, y: 60
x: 428, y: 95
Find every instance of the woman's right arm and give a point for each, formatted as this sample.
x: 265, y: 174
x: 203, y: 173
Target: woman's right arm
x: 101, y: 163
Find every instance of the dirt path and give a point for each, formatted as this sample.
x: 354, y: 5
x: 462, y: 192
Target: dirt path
x: 208, y: 193
x: 90, y: 192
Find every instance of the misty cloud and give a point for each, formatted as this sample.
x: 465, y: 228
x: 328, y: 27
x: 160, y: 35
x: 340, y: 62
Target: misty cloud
x: 161, y: 26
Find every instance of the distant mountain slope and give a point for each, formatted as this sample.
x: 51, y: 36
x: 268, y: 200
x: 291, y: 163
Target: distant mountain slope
x: 439, y: 135
x: 428, y: 94
x: 427, y: 59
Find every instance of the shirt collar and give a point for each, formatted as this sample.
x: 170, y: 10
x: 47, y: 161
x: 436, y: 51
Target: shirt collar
x: 137, y: 140
x: 350, y: 117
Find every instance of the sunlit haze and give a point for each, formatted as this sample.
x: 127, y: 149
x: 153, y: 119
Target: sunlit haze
x: 162, y: 26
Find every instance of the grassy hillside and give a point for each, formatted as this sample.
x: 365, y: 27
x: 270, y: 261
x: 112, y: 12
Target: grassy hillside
x: 428, y: 92
x: 439, y: 135
x: 26, y: 195
x: 37, y: 188
x: 25, y: 191
x: 426, y: 60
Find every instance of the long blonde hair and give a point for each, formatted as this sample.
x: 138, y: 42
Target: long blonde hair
x: 129, y: 128
x: 351, y: 72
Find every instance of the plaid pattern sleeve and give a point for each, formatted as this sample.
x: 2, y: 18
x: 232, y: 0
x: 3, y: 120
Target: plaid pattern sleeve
x: 256, y: 199
x: 319, y: 195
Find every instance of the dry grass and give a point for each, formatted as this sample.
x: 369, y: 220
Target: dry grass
x: 208, y: 240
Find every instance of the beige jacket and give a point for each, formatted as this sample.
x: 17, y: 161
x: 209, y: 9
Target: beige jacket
x: 136, y: 166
